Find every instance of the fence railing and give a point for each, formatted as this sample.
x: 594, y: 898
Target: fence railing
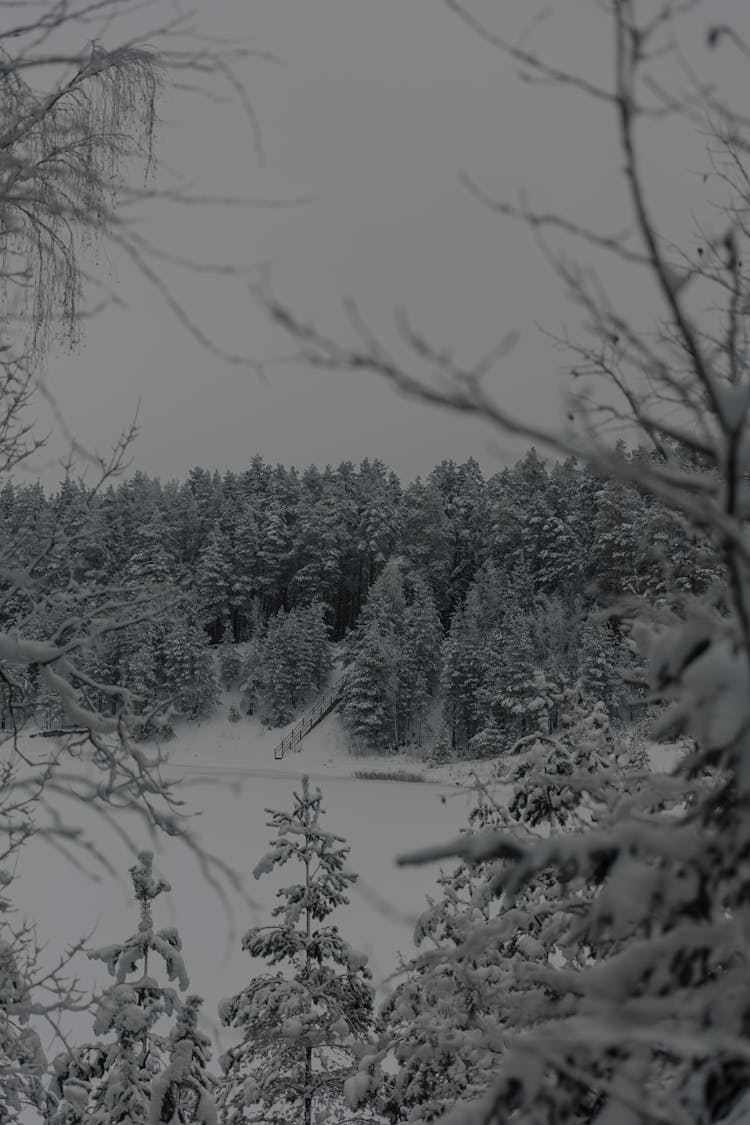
x: 323, y: 707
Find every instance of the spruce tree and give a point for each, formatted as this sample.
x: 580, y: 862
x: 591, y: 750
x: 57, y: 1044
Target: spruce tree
x: 251, y: 674
x: 187, y: 669
x: 442, y: 1024
x: 213, y: 584
x: 462, y: 677
x: 315, y: 650
x: 230, y: 663
x: 280, y: 659
x: 298, y: 1024
x: 371, y: 688
x: 420, y: 662
x: 601, y: 666
x: 183, y: 1093
x: 244, y: 586
x: 373, y: 705
x: 110, y: 1082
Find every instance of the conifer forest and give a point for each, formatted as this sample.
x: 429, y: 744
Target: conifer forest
x: 337, y: 657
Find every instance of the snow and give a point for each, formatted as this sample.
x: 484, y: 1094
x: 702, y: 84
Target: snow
x: 230, y: 779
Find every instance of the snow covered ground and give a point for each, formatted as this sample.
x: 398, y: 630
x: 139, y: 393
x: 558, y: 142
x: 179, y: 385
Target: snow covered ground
x: 230, y: 778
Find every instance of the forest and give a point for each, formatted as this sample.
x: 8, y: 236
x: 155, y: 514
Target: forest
x: 582, y: 958
x: 471, y: 601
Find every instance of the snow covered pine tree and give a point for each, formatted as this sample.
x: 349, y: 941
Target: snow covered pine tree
x: 299, y: 1027
x: 129, y: 1081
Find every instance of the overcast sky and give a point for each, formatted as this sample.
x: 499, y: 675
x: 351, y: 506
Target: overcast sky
x: 376, y: 108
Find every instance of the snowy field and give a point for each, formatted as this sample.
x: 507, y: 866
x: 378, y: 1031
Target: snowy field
x: 230, y: 778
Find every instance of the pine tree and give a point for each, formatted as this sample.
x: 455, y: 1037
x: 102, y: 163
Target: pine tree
x: 315, y: 650
x: 463, y: 494
x: 150, y: 566
x: 377, y: 531
x: 442, y: 1025
x: 230, y: 663
x: 511, y: 694
x: 188, y: 675
x: 426, y: 539
x: 298, y: 1024
x: 421, y: 658
x: 244, y: 585
x: 601, y: 665
x: 183, y: 1093
x: 251, y: 674
x: 275, y: 552
x: 110, y: 1082
x: 462, y: 676
x: 617, y: 560
x: 367, y: 708
x: 280, y: 660
x: 372, y: 708
x: 321, y: 544
x: 213, y: 584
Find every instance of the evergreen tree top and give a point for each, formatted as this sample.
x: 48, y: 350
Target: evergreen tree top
x: 122, y: 958
x: 299, y: 836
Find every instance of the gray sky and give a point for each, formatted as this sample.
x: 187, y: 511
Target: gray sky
x: 376, y: 108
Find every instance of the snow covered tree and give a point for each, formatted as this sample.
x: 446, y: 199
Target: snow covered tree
x: 213, y: 582
x: 183, y: 1093
x: 394, y: 655
x: 244, y: 587
x: 109, y: 1082
x: 275, y: 552
x: 462, y: 676
x: 368, y: 708
x: 187, y: 671
x: 230, y: 664
x: 512, y: 696
x: 371, y: 708
x: 426, y: 540
x: 602, y: 664
x: 251, y: 674
x: 421, y: 655
x: 619, y: 546
x: 150, y: 565
x: 298, y: 1024
x: 377, y: 530
x: 314, y: 647
x: 442, y: 1023
x: 461, y: 489
x: 22, y: 1059
x: 280, y: 657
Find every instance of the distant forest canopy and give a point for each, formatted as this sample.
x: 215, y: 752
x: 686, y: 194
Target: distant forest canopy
x: 521, y: 560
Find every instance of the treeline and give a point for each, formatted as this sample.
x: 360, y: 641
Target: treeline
x: 499, y: 578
